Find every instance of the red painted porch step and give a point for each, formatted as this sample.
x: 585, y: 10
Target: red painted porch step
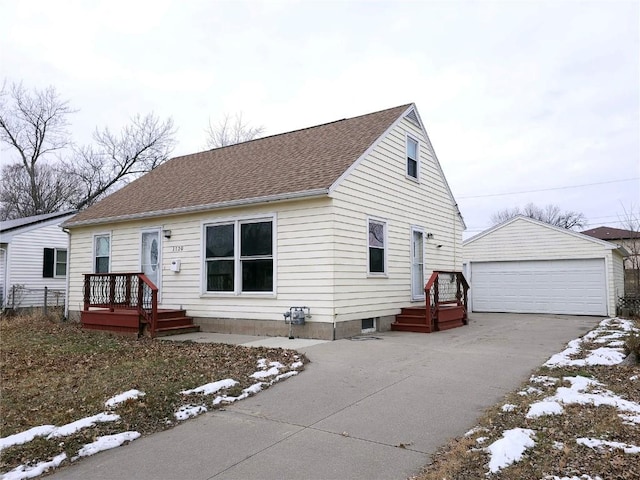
x: 174, y: 322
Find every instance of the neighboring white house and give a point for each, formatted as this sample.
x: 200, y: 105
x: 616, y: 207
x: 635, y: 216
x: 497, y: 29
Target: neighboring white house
x: 527, y: 266
x: 33, y: 255
x: 346, y: 218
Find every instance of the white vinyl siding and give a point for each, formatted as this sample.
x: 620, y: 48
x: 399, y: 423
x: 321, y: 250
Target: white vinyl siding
x: 523, y: 240
x: 303, y: 254
x: 378, y: 187
x: 24, y: 261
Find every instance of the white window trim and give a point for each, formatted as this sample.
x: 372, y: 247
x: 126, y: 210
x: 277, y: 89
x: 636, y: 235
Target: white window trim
x: 93, y: 249
x: 386, y: 248
x: 55, y: 263
x: 414, y: 229
x: 406, y: 158
x: 237, y: 282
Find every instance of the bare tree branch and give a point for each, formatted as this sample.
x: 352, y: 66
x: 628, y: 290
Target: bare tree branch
x: 550, y: 214
x: 34, y: 125
x: 53, y: 187
x: 116, y: 159
x: 230, y: 131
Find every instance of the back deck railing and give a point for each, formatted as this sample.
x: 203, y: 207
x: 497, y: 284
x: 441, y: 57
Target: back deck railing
x: 446, y: 298
x: 123, y: 291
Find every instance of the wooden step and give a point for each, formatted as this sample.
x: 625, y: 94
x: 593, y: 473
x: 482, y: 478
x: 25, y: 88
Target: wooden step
x: 411, y: 327
x: 165, y: 331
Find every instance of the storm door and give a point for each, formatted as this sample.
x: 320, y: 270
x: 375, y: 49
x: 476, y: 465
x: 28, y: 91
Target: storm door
x: 150, y: 256
x: 417, y: 265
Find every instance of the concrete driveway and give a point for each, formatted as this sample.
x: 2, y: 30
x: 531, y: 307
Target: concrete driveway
x: 363, y: 409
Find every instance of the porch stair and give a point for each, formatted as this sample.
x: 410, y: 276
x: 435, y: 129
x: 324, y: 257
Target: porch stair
x: 126, y: 320
x: 412, y: 319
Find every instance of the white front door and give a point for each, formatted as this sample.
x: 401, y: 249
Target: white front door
x: 150, y: 256
x: 417, y: 265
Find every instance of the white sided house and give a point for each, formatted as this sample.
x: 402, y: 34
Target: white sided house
x: 344, y: 221
x: 33, y: 255
x: 527, y: 266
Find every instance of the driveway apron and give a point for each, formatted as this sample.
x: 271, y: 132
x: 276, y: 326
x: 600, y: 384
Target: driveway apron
x: 372, y: 407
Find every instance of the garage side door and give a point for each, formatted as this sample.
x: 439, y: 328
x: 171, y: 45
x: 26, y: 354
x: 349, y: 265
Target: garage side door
x: 574, y: 287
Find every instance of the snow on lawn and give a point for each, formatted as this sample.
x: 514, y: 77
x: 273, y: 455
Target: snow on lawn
x: 582, y: 390
x: 602, y: 445
x: 123, y: 397
x: 265, y: 370
x: 608, y: 331
x: 23, y: 471
x: 510, y: 448
x: 105, y: 443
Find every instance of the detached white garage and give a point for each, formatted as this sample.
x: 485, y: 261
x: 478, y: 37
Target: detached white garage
x: 526, y: 266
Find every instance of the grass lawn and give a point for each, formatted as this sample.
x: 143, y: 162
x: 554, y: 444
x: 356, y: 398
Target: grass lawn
x: 54, y: 373
x: 607, y: 411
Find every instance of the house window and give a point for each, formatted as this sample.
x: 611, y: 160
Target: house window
x: 412, y: 158
x: 101, y: 252
x: 239, y: 256
x: 377, y: 246
x: 54, y: 262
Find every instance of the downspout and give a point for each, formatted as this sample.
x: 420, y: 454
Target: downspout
x: 66, y: 292
x: 4, y: 280
x: 455, y: 237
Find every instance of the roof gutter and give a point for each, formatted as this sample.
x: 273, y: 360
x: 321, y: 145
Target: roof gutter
x: 306, y: 194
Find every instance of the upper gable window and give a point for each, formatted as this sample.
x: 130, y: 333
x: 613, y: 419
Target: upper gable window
x: 412, y: 158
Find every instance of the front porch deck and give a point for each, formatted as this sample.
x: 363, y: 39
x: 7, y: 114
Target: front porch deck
x: 445, y: 306
x: 127, y: 303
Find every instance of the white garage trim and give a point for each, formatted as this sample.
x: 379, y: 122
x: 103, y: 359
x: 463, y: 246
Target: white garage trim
x: 567, y: 286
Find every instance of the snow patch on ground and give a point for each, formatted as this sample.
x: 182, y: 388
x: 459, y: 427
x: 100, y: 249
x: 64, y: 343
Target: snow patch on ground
x: 508, y: 407
x: 23, y: 471
x: 608, y: 331
x: 602, y: 445
x: 73, y: 427
x: 510, y: 448
x: 188, y: 411
x: 581, y: 477
x: 106, y: 443
x: 26, y: 436
x: 211, y: 388
x: 629, y: 419
x: 539, y: 409
x: 123, y: 397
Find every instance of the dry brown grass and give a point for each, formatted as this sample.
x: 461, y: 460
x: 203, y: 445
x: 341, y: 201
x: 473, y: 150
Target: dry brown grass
x: 556, y: 452
x: 53, y: 373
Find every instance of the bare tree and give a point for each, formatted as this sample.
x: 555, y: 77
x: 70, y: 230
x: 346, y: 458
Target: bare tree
x: 116, y: 159
x: 549, y: 214
x: 52, y: 187
x: 230, y: 131
x: 34, y: 125
x: 630, y: 220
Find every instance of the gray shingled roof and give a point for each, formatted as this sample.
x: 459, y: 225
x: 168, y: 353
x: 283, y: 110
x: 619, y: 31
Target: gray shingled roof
x: 296, y: 163
x: 610, y: 233
x: 8, y: 225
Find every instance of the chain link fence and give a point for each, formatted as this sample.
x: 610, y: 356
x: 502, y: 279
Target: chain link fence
x: 20, y: 297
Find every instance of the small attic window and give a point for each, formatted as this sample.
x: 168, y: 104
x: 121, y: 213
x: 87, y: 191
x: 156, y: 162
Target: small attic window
x: 413, y: 117
x: 412, y: 158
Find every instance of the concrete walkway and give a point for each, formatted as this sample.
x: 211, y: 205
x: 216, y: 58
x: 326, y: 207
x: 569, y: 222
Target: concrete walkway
x: 362, y: 409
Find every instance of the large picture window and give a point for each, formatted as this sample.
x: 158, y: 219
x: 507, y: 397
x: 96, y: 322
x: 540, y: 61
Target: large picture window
x: 102, y: 253
x: 377, y: 246
x: 239, y: 256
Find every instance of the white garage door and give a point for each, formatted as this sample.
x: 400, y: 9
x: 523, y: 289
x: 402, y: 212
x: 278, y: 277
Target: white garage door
x: 575, y: 287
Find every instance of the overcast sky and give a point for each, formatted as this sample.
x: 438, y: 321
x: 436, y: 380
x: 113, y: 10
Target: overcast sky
x: 515, y: 96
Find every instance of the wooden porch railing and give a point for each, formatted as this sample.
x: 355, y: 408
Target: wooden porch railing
x: 446, y: 297
x: 123, y: 291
